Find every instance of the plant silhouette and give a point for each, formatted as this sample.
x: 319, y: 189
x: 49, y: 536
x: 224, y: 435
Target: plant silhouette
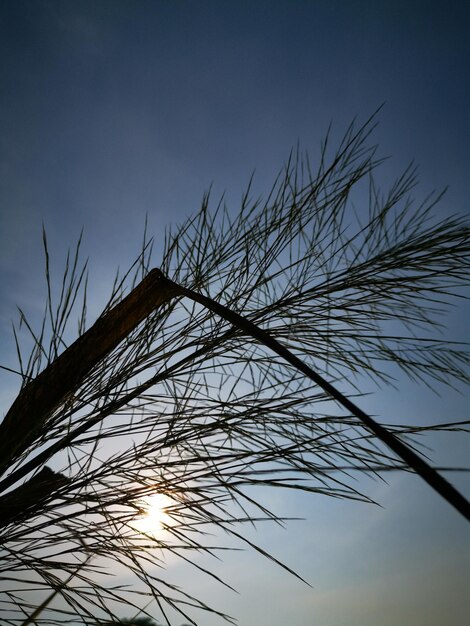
x: 175, y: 388
x: 137, y: 621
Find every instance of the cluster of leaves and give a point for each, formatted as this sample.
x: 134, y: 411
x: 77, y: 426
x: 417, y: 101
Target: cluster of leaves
x: 186, y: 405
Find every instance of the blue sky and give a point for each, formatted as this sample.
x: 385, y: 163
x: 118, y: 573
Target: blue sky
x: 111, y: 110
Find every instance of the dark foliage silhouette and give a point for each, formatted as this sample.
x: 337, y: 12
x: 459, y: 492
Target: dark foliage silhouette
x: 175, y: 388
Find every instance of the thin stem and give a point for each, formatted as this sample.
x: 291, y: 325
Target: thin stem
x: 419, y: 465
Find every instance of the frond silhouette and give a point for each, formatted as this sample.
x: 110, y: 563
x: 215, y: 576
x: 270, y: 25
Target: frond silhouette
x: 163, y: 394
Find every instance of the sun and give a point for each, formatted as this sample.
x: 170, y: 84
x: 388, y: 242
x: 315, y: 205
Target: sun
x: 155, y: 518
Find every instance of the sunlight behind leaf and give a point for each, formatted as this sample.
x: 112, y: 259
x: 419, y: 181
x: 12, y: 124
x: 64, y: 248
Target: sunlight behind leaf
x: 155, y: 517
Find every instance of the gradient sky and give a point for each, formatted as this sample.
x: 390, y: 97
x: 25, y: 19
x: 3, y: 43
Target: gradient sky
x: 111, y: 110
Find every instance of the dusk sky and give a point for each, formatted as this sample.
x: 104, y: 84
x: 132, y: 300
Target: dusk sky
x: 111, y: 110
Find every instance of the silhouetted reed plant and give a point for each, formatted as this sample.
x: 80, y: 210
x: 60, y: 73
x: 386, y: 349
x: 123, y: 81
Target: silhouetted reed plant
x: 215, y: 374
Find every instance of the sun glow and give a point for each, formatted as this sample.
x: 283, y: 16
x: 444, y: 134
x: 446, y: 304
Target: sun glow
x: 155, y: 517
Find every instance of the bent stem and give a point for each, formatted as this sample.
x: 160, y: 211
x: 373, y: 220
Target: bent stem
x: 415, y: 462
x: 153, y: 291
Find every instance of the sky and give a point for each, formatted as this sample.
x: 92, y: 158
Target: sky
x: 111, y: 110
